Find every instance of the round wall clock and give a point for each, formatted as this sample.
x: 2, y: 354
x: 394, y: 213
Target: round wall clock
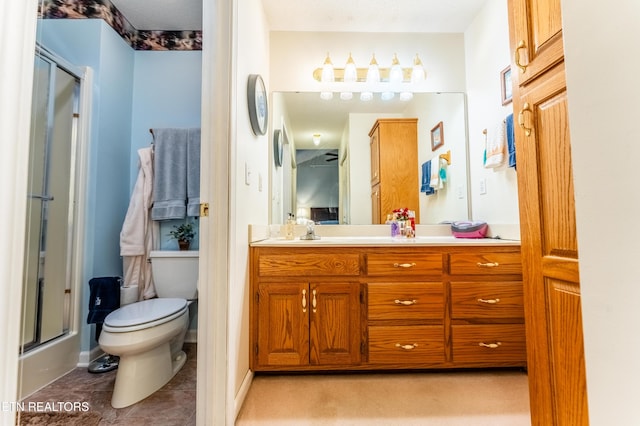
x: 277, y: 147
x: 257, y: 101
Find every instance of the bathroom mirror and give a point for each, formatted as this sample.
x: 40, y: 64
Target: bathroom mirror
x: 344, y: 126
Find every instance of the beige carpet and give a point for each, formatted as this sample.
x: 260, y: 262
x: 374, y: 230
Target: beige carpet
x: 475, y: 398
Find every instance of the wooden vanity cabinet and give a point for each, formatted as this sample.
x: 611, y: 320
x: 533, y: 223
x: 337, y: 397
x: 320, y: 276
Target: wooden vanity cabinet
x: 487, y: 313
x: 405, y: 308
x: 384, y: 308
x: 306, y: 309
x: 394, y: 167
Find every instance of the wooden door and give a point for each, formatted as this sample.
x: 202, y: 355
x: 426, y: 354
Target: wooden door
x: 537, y: 45
x: 555, y: 352
x: 283, y: 324
x: 335, y: 323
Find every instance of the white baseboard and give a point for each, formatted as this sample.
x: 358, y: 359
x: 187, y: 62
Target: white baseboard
x: 242, y: 394
x: 86, y: 357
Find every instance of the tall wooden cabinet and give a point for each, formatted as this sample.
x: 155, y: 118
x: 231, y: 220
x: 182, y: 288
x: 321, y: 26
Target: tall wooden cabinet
x: 394, y: 167
x: 553, y: 315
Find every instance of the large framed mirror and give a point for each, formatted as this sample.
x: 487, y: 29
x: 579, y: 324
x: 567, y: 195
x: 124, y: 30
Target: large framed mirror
x: 342, y: 128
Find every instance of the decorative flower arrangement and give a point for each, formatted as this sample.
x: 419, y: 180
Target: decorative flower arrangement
x: 401, y: 214
x: 403, y: 223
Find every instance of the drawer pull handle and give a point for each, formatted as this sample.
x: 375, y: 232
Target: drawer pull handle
x: 407, y: 347
x: 405, y: 302
x: 304, y: 300
x: 490, y: 345
x: 314, y: 302
x: 404, y: 265
x: 489, y: 301
x: 488, y: 265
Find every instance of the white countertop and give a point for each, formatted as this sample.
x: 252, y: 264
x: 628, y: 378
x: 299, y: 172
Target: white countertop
x: 351, y: 241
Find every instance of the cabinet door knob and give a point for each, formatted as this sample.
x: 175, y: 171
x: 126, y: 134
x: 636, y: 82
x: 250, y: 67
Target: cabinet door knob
x: 404, y: 265
x: 304, y: 300
x: 406, y: 347
x: 525, y: 108
x: 488, y: 265
x: 405, y: 302
x: 489, y: 301
x: 521, y: 45
x: 490, y: 345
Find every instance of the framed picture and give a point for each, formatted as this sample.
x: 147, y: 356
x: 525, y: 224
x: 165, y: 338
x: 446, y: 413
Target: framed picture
x: 505, y: 83
x: 437, y: 137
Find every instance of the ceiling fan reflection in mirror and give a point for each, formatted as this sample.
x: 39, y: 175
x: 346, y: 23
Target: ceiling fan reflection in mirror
x: 332, y: 156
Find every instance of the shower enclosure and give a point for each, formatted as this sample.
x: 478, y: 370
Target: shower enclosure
x: 50, y: 202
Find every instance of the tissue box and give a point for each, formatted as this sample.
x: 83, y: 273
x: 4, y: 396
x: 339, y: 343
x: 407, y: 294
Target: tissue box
x: 466, y: 229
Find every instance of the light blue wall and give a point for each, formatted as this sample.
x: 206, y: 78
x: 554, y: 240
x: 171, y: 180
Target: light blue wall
x: 132, y: 92
x: 166, y: 93
x: 92, y: 43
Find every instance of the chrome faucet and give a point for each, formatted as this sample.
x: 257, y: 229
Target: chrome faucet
x: 311, y: 232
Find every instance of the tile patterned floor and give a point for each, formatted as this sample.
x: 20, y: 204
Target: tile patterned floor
x: 173, y: 405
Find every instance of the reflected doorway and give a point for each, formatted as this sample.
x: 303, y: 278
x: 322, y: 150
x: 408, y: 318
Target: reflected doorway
x: 317, y: 185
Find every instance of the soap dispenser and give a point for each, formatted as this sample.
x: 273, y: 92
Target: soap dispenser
x: 289, y: 227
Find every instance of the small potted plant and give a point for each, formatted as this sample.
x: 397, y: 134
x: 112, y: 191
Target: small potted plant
x: 184, y: 234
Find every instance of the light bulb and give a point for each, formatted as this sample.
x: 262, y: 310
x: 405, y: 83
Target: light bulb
x: 350, y: 71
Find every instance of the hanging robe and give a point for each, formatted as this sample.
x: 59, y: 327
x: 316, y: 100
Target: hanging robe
x: 138, y: 230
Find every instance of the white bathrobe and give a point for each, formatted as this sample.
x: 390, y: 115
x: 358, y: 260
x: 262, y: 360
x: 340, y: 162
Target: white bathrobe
x: 138, y: 231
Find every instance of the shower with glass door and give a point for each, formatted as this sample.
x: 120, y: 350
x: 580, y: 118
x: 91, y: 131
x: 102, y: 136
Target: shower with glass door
x: 49, y: 248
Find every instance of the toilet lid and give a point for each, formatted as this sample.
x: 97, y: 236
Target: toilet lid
x: 144, y: 312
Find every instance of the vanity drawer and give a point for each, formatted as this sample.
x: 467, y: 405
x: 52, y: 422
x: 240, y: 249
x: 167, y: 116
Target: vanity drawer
x: 398, y: 264
x: 406, y: 344
x: 487, y: 300
x: 489, y: 343
x: 390, y: 301
x: 298, y: 263
x: 485, y: 263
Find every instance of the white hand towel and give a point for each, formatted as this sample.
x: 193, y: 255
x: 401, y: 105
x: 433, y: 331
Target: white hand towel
x: 496, y: 148
x: 435, y: 173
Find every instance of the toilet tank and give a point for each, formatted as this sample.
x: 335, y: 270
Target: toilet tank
x: 175, y: 273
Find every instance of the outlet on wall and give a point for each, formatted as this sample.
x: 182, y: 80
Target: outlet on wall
x: 483, y: 186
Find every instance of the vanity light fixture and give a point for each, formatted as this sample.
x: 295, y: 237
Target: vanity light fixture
x: 373, y: 78
x: 327, y: 76
x: 316, y: 139
x: 386, y: 81
x: 350, y: 76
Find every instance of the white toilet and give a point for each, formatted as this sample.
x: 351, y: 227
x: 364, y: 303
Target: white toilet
x: 148, y: 335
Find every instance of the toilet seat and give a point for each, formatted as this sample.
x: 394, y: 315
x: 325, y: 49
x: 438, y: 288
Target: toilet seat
x: 144, y: 314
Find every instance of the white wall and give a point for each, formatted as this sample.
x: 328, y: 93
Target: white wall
x: 249, y: 203
x: 450, y: 202
x: 295, y: 55
x: 486, y: 54
x: 601, y: 62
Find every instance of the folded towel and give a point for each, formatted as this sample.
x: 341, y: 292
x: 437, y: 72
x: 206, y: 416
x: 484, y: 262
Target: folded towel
x: 435, y: 173
x: 170, y: 174
x: 511, y: 140
x: 104, y: 298
x: 496, y: 148
x: 425, y: 185
x: 193, y: 172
